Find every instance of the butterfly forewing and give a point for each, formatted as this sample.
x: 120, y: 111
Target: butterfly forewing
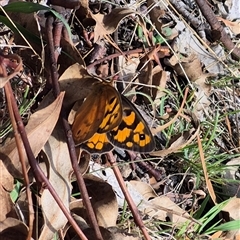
x: 132, y: 133
x: 100, y: 112
x: 87, y: 119
x: 113, y: 110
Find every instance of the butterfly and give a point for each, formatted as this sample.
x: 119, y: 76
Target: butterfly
x: 106, y: 119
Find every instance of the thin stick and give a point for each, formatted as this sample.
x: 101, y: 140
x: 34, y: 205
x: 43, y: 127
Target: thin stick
x: 131, y: 204
x: 22, y: 160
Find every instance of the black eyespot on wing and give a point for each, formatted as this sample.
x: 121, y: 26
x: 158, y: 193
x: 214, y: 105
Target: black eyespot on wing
x: 142, y: 136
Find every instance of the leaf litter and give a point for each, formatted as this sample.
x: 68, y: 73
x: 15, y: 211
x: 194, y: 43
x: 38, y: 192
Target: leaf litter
x: 153, y: 51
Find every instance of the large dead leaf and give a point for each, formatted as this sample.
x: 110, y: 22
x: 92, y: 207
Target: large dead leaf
x: 162, y: 208
x: 144, y: 197
x: 58, y: 170
x: 107, y: 24
x: 157, y: 207
x: 38, y: 130
x: 190, y: 66
x: 11, y: 229
x: 103, y: 200
x: 77, y: 84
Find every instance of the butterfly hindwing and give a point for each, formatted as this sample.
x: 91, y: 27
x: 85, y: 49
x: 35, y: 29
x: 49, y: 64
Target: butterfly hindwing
x: 132, y: 133
x: 100, y: 112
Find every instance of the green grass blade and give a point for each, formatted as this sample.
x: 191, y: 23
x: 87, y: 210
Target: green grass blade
x: 211, y: 214
x: 225, y: 227
x: 25, y: 7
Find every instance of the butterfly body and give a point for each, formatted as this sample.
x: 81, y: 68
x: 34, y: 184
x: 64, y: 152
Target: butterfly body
x: 107, y: 119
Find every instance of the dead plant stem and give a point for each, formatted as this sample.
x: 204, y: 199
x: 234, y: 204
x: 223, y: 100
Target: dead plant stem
x: 22, y: 160
x: 131, y: 204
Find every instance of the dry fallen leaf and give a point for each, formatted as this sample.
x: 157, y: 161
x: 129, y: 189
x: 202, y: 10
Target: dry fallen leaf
x: 11, y: 227
x: 77, y: 84
x: 38, y: 130
x: 7, y: 207
x: 162, y: 208
x: 157, y: 207
x: 232, y: 188
x: 186, y: 44
x: 107, y: 24
x: 155, y: 14
x: 202, y: 96
x: 234, y: 26
x: 58, y: 171
x: 191, y: 65
x: 145, y: 198
x: 144, y: 189
x: 6, y: 179
x: 231, y: 207
x: 103, y: 200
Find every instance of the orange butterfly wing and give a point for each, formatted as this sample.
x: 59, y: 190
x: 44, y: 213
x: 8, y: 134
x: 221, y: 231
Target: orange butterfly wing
x: 100, y: 112
x: 98, y: 143
x: 132, y: 133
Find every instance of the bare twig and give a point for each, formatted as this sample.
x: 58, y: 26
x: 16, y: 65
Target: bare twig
x: 216, y: 25
x: 131, y: 204
x: 21, y: 157
x: 130, y: 52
